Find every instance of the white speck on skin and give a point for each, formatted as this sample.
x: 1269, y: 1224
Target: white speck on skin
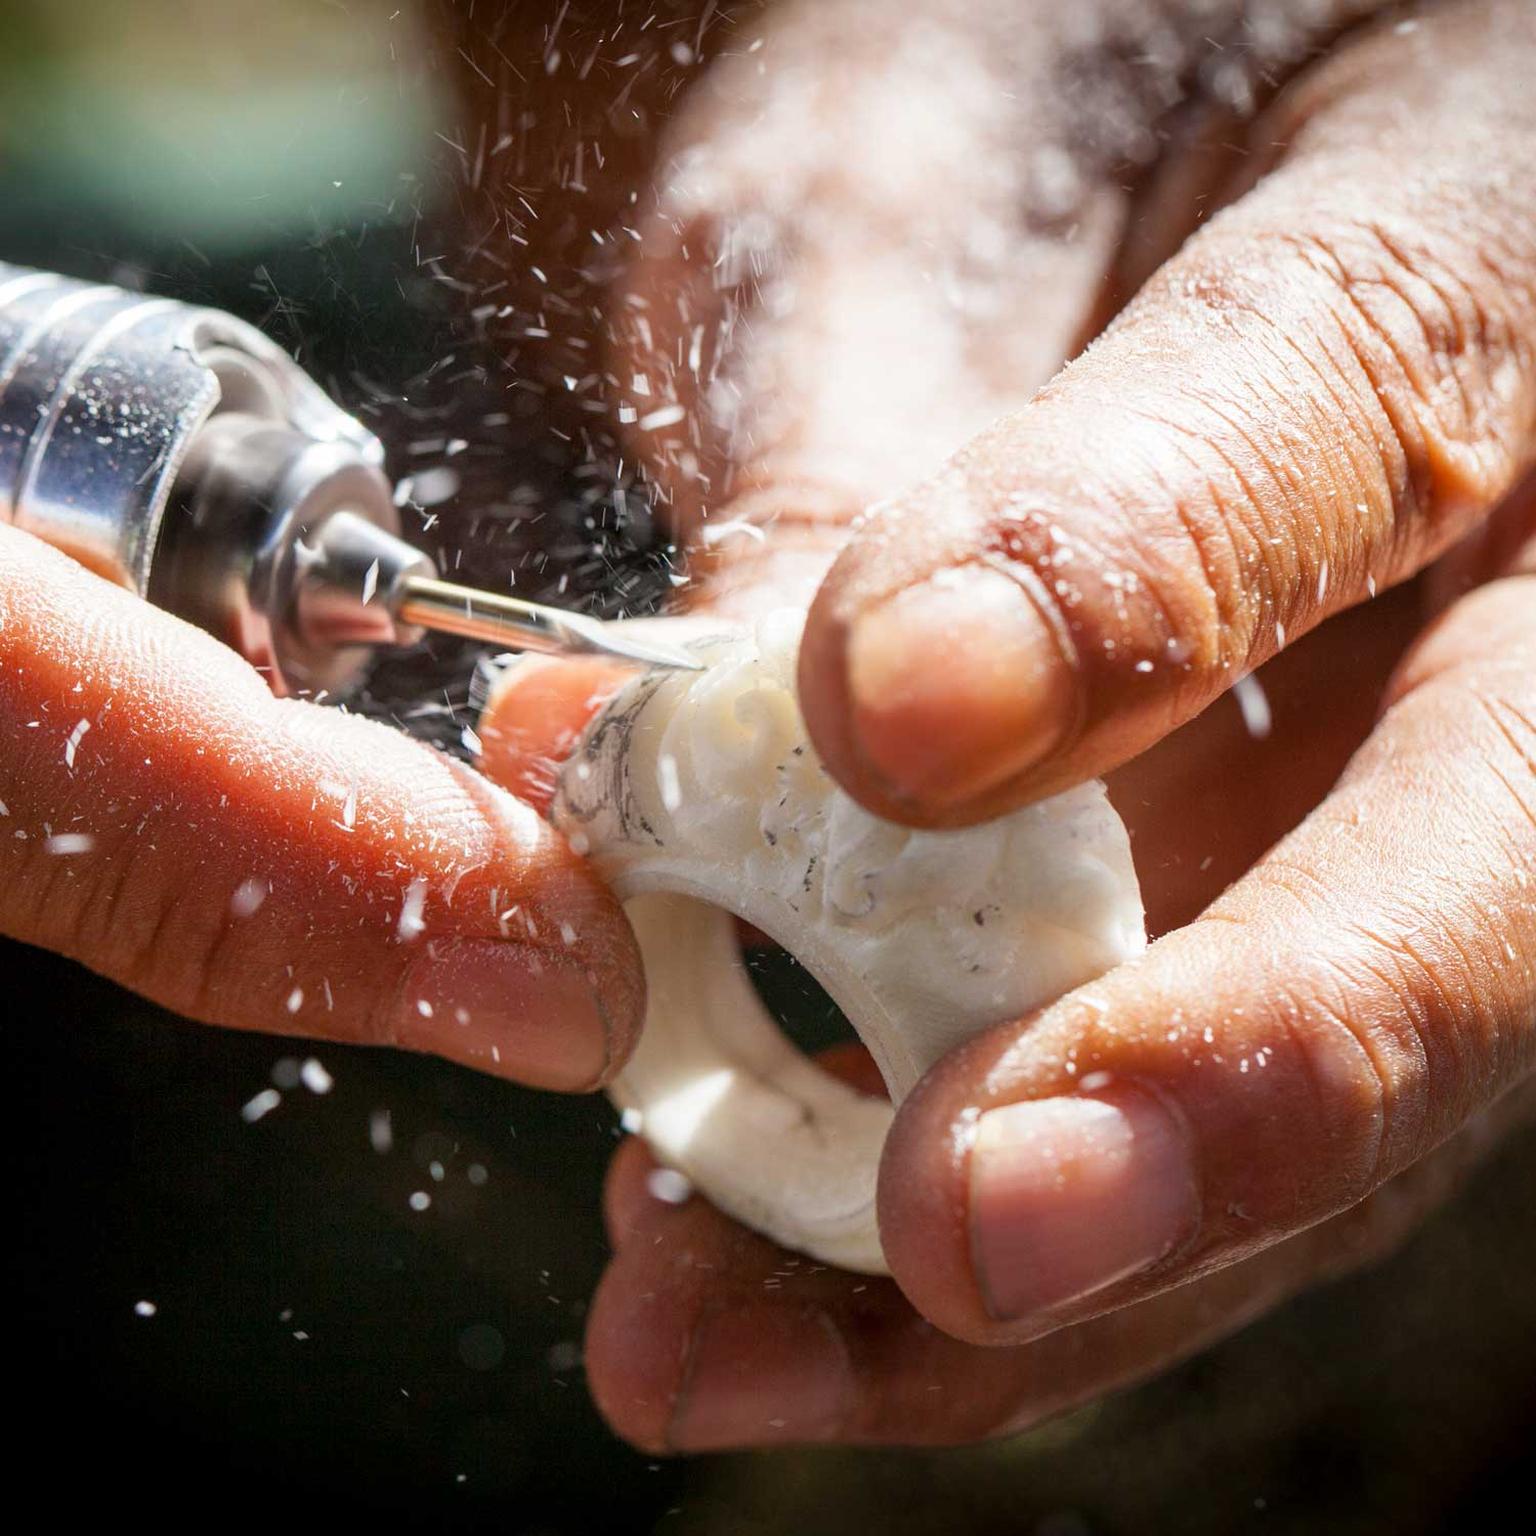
x: 669, y: 1186
x: 295, y: 1000
x: 716, y: 533
x: 411, y: 925
x: 249, y: 896
x: 423, y: 1007
x: 73, y: 743
x: 263, y: 1104
x: 65, y: 843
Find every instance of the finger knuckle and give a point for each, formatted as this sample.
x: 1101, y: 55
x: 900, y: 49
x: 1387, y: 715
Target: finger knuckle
x: 1423, y: 335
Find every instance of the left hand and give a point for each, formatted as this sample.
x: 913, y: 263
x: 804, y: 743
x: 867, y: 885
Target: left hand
x: 1325, y: 390
x: 688, y: 1349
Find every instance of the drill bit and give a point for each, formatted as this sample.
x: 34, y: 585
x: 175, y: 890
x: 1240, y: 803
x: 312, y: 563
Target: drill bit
x: 525, y: 626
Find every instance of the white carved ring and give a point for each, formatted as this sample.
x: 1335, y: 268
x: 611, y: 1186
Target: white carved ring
x: 698, y: 796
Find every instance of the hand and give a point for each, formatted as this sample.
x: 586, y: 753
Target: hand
x: 274, y: 865
x: 1327, y: 390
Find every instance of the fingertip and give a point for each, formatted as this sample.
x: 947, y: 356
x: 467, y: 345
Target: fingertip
x: 627, y: 1196
x: 923, y: 1202
x: 538, y: 708
x: 636, y: 1351
x: 931, y: 704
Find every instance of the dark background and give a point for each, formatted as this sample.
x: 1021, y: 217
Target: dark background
x: 318, y: 1350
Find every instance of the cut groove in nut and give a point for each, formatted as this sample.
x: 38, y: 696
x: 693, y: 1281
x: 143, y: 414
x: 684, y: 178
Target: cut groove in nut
x: 698, y: 796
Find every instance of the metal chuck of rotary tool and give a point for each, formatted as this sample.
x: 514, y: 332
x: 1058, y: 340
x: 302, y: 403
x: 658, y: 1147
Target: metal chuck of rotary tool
x: 179, y: 453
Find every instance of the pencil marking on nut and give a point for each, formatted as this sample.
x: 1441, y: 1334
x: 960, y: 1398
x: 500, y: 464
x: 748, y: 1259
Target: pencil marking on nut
x: 700, y: 798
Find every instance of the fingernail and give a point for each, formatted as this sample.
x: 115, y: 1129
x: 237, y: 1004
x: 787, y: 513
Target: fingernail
x: 957, y: 685
x: 1070, y: 1195
x: 762, y: 1375
x: 507, y: 1008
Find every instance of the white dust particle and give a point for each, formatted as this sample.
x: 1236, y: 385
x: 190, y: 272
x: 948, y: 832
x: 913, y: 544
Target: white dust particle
x: 5, y: 810
x: 433, y: 486
x: 75, y: 736
x: 145, y: 1308
x: 564, y: 1356
x: 667, y: 781
x: 411, y: 925
x: 436, y: 1171
x: 567, y: 935
x: 420, y: 1200
x: 381, y: 1132
x: 662, y: 416
x: 370, y: 583
x: 423, y: 1007
x: 295, y: 999
x: 285, y: 1072
x: 476, y: 1174
x: 65, y: 843
x: 263, y: 1104
x: 471, y: 741
x: 314, y: 1076
x: 349, y: 808
x: 1254, y: 703
x: 1094, y: 1081
x: 717, y: 533
x: 669, y: 1186
x: 632, y: 1121
x: 248, y: 897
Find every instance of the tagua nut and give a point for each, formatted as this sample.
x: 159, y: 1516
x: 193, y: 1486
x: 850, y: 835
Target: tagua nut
x: 700, y: 799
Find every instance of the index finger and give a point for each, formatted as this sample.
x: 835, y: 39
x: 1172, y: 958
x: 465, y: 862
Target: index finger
x: 1333, y: 381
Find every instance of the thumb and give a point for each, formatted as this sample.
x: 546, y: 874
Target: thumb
x: 272, y: 865
x: 1331, y: 383
x: 1337, y: 1014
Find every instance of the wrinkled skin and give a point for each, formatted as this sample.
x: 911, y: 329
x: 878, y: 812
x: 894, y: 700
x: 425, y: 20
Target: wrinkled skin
x: 1323, y: 391
x: 896, y: 223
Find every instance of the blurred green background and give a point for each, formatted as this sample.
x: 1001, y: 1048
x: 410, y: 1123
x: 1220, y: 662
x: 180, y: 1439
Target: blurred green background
x: 404, y: 195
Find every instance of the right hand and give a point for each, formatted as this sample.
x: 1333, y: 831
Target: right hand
x: 271, y: 864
